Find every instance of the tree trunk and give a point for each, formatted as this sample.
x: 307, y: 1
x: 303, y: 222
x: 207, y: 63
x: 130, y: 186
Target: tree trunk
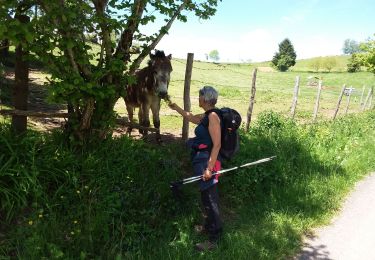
x: 91, y: 120
x: 21, y: 87
x: 4, y: 51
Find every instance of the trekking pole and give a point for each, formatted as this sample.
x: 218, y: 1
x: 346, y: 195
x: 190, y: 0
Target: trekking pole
x: 177, y: 184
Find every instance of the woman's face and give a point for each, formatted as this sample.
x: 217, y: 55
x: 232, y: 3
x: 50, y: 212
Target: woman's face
x: 201, y: 100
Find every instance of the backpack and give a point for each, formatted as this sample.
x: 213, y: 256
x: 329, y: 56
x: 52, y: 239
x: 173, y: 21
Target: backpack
x: 230, y: 138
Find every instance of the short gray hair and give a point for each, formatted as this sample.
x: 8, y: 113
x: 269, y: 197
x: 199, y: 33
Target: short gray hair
x: 209, y: 94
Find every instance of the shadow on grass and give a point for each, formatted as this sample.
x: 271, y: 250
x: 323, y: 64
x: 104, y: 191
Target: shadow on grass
x: 275, y: 199
x: 266, y: 208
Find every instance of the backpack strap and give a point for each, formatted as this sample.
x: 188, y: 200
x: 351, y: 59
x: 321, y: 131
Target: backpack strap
x: 205, y: 120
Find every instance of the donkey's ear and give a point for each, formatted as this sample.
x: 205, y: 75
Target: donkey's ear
x: 169, y: 56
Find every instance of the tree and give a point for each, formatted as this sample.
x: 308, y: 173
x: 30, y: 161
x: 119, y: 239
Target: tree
x: 214, y: 55
x: 354, y: 64
x: 4, y: 50
x: 350, y: 47
x: 90, y: 80
x: 367, y: 56
x: 316, y: 63
x: 329, y: 63
x: 286, y: 57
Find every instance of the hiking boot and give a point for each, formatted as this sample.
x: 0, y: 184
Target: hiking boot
x: 200, y: 229
x: 206, y: 246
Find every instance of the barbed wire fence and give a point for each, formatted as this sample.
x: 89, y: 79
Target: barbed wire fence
x: 237, y: 95
x: 297, y: 111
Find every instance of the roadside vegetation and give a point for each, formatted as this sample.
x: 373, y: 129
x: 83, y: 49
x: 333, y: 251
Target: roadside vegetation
x: 113, y: 200
x: 78, y: 191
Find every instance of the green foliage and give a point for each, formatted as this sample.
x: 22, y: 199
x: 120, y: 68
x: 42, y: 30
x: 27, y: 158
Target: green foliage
x: 285, y: 57
x: 316, y: 63
x: 87, y: 197
x: 308, y: 64
x: 113, y: 199
x: 329, y: 63
x: 61, y: 36
x: 367, y: 56
x: 354, y: 64
x: 214, y: 55
x: 350, y: 47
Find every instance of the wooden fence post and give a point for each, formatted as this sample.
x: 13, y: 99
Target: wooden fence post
x: 339, y: 101
x: 367, y: 99
x: 187, y: 104
x: 372, y: 94
x: 348, y: 100
x: 361, y: 102
x: 317, y: 101
x: 252, y: 97
x: 295, y: 98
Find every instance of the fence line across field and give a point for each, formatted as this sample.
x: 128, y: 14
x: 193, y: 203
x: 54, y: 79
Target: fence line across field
x: 365, y: 101
x: 223, y: 68
x: 344, y: 90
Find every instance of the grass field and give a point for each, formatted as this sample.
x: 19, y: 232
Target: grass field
x: 274, y: 89
x: 112, y: 200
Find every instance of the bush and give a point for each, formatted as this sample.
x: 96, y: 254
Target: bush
x: 109, y: 195
x: 354, y: 65
x: 316, y: 63
x: 283, y: 63
x: 112, y: 200
x: 329, y: 63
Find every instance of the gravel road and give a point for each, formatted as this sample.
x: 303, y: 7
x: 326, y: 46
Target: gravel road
x: 351, y: 235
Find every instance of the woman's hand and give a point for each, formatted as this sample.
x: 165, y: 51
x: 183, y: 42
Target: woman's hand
x: 207, y: 174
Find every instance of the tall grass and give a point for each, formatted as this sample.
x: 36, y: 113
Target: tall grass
x: 112, y: 200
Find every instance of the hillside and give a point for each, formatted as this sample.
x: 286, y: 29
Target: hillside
x: 274, y: 89
x: 305, y: 64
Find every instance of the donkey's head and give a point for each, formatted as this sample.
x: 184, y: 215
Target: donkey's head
x: 161, y: 69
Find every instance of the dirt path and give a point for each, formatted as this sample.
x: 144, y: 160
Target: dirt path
x: 351, y: 235
x: 38, y: 101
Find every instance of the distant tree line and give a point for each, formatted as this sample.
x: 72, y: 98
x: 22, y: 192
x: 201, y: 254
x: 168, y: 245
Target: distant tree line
x: 327, y: 63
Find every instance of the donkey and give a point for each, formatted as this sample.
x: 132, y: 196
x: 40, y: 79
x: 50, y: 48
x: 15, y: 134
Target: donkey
x: 150, y: 87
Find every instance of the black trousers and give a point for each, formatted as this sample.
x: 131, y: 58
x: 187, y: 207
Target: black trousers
x: 213, y: 223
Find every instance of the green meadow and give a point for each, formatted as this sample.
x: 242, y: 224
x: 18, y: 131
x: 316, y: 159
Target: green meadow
x: 274, y: 90
x: 111, y: 199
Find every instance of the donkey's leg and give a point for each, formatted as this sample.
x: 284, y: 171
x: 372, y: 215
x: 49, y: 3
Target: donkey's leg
x: 155, y: 108
x: 145, y: 116
x: 140, y: 119
x: 130, y: 110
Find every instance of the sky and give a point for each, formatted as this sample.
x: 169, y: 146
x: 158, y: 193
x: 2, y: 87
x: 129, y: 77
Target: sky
x: 248, y: 30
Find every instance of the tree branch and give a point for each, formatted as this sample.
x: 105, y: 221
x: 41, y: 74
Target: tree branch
x: 23, y: 6
x: 68, y: 51
x: 100, y: 62
x: 164, y: 30
x: 100, y: 6
x: 123, y: 47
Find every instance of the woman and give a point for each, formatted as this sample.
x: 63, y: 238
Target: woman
x: 206, y: 159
